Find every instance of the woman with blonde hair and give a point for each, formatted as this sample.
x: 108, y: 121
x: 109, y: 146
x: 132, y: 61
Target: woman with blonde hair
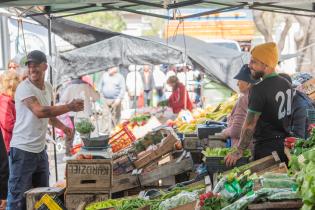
x: 9, y: 83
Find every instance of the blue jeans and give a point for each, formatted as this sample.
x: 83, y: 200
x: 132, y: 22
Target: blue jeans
x: 27, y: 170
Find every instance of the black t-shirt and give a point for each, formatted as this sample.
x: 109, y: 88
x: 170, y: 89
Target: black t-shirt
x: 272, y: 98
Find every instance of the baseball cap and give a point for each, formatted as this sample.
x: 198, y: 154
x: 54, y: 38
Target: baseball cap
x: 245, y: 75
x: 36, y: 56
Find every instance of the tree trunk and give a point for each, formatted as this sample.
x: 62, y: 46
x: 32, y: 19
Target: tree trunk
x: 301, y: 39
x: 264, y: 23
x: 284, y: 33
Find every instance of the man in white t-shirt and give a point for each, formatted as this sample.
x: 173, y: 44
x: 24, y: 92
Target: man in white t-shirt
x: 28, y: 158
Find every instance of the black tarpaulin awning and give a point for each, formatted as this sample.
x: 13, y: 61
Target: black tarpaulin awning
x: 220, y: 63
x: 77, y: 34
x: 115, y: 51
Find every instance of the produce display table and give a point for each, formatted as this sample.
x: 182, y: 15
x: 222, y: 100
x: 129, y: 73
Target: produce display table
x: 290, y: 204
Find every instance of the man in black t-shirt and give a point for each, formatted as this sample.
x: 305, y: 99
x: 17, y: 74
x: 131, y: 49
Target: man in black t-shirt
x: 268, y: 108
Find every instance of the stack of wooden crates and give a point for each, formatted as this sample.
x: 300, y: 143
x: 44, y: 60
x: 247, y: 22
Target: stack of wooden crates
x: 87, y: 181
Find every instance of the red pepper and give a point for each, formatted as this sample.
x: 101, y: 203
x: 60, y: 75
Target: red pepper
x: 289, y: 142
x: 201, y: 203
x: 202, y: 197
x: 310, y: 128
x: 209, y: 194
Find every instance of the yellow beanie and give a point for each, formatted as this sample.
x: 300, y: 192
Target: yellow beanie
x: 266, y: 53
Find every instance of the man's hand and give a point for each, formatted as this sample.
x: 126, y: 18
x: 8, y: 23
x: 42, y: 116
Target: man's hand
x: 69, y: 132
x: 247, y: 132
x: 116, y: 103
x: 3, y: 204
x: 218, y: 136
x: 232, y: 158
x: 76, y: 105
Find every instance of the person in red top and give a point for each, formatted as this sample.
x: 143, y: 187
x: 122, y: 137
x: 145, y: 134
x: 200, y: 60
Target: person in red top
x: 9, y: 82
x: 179, y: 99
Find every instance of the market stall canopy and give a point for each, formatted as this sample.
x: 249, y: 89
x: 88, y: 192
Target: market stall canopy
x: 77, y: 34
x: 98, y: 49
x: 150, y: 7
x: 220, y: 63
x: 114, y: 51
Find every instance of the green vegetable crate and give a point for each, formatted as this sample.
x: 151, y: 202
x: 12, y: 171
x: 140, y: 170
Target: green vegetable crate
x: 217, y: 164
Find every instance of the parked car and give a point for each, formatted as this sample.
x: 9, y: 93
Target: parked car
x: 231, y: 44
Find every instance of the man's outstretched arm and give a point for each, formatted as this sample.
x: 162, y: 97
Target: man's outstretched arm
x: 52, y: 111
x: 247, y: 133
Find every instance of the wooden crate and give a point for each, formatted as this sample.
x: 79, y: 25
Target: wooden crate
x: 257, y: 166
x: 193, y: 143
x: 277, y: 168
x: 122, y: 165
x: 35, y: 194
x: 165, y: 147
x: 128, y: 181
x: 89, y: 175
x: 78, y: 200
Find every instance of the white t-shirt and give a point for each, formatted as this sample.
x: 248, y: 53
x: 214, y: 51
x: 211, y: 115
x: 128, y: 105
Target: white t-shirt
x: 29, y: 131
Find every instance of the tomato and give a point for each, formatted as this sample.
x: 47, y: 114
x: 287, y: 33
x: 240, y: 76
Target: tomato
x: 201, y: 203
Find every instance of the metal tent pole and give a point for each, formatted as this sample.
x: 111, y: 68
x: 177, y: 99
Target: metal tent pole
x: 135, y: 96
x: 51, y: 82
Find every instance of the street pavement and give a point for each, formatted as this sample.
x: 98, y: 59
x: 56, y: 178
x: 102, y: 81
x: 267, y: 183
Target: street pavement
x: 61, y: 165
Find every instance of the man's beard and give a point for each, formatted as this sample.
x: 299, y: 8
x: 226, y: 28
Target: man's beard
x: 257, y: 74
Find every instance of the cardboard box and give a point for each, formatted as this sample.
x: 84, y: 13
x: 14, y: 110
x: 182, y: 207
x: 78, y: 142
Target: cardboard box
x: 89, y: 175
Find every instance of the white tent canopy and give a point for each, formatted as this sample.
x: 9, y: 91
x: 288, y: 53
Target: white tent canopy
x: 63, y: 8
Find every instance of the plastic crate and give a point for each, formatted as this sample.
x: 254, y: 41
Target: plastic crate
x: 96, y: 142
x: 124, y: 136
x: 217, y: 164
x: 50, y: 203
x: 204, y: 131
x: 196, y: 156
x: 311, y: 115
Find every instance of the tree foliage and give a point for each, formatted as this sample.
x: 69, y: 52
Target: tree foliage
x: 107, y: 20
x: 156, y: 27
